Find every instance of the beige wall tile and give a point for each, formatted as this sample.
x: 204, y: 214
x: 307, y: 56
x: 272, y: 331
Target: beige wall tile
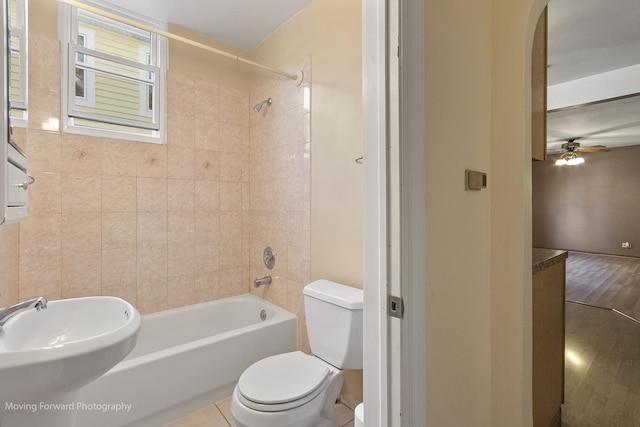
x: 46, y: 195
x: 41, y: 234
x: 207, y: 257
x: 234, y: 106
x: 207, y: 196
x: 40, y: 275
x: 119, y: 194
x: 181, y: 291
x: 81, y: 193
x: 181, y: 227
x: 181, y: 162
x: 126, y: 291
x: 207, y: 101
x: 9, y: 264
x: 207, y: 135
x: 230, y: 254
x: 181, y: 95
x: 151, y: 263
x: 230, y: 196
x: 151, y: 295
x: 44, y: 62
x: 152, y: 229
x: 231, y: 226
x: 81, y: 273
x: 81, y: 154
x: 119, y: 268
x: 180, y: 131
x: 231, y: 282
x: 119, y: 230
x: 181, y: 259
x: 81, y: 232
x: 119, y: 157
x: 151, y: 160
x: 230, y: 138
x: 44, y: 151
x: 231, y: 167
x: 207, y: 226
x: 181, y: 195
x: 207, y: 165
x: 207, y: 286
x: 151, y: 194
x: 44, y: 110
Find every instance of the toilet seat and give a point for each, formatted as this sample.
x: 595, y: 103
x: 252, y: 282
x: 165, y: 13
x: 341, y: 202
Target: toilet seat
x: 284, y: 381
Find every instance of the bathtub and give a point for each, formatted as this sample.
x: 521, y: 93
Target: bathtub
x: 186, y: 358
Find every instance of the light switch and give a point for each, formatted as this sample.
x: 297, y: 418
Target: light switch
x: 474, y: 180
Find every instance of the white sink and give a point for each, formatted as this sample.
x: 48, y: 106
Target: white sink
x: 47, y: 355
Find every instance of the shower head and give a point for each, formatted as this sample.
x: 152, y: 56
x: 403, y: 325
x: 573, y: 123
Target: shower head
x: 259, y: 105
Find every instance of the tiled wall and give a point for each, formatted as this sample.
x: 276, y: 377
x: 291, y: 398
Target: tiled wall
x: 280, y: 173
x: 167, y: 225
x: 9, y: 247
x: 160, y: 225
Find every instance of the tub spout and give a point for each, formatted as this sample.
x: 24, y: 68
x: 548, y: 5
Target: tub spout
x: 262, y: 281
x: 8, y: 312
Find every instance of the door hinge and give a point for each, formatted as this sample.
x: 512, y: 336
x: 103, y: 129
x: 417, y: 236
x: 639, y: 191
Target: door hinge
x: 396, y: 307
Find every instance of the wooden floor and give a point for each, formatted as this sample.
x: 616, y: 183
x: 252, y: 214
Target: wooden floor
x: 605, y: 281
x: 602, y: 347
x: 602, y: 369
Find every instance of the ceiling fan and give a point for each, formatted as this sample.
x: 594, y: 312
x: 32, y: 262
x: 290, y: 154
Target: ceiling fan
x: 571, y: 148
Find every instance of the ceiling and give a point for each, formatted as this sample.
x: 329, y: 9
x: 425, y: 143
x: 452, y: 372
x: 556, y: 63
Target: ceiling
x: 589, y: 37
x: 240, y: 23
x: 586, y: 37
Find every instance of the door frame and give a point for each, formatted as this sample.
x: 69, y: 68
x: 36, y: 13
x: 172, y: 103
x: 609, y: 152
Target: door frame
x: 383, y: 346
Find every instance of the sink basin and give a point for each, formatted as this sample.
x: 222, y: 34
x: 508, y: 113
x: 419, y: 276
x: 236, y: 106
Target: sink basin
x: 47, y: 355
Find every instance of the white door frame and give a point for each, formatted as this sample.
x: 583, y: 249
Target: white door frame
x: 408, y: 175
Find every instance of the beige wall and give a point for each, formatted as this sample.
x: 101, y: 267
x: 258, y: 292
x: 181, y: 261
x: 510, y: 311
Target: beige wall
x: 330, y: 32
x: 458, y: 232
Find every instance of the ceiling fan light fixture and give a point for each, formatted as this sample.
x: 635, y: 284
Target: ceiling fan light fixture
x: 575, y: 161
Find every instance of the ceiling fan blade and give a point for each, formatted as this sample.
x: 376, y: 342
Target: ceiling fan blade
x: 593, y: 149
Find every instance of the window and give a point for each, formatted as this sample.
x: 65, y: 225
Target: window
x: 115, y: 77
x: 18, y: 62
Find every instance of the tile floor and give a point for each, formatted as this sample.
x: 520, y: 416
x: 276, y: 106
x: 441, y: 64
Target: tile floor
x: 219, y: 415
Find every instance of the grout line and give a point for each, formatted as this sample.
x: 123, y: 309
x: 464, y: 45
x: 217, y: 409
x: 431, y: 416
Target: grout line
x: 589, y: 305
x: 223, y: 416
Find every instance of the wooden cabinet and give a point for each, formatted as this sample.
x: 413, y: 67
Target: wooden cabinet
x: 548, y: 338
x: 539, y: 90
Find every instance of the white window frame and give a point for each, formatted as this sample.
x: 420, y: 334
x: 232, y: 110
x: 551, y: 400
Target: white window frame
x: 89, y: 99
x: 68, y: 31
x: 21, y: 34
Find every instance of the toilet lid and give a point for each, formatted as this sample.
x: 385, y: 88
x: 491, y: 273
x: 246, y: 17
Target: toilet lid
x: 282, y: 378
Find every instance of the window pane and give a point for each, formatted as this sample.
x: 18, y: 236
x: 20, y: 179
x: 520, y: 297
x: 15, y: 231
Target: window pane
x: 80, y: 83
x: 112, y: 96
x: 114, y: 37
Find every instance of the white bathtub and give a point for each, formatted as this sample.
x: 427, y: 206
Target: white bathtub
x: 186, y: 358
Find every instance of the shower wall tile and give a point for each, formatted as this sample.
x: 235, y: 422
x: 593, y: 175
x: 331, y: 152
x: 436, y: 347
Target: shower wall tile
x: 81, y: 154
x: 279, y: 192
x: 118, y: 157
x: 81, y: 193
x: 119, y: 230
x: 46, y: 197
x: 9, y: 264
x: 119, y: 193
x: 44, y: 151
x: 164, y: 225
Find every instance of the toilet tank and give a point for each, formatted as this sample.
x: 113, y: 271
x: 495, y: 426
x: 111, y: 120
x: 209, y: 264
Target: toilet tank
x: 335, y: 322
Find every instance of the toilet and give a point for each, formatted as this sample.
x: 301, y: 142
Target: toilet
x: 296, y: 389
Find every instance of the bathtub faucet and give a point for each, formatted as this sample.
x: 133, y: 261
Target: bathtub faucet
x: 8, y: 312
x: 262, y: 281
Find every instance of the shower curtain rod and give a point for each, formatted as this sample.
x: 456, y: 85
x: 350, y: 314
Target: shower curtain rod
x: 176, y: 37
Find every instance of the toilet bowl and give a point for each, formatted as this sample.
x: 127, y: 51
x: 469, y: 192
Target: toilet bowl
x: 300, y: 390
x: 287, y: 390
